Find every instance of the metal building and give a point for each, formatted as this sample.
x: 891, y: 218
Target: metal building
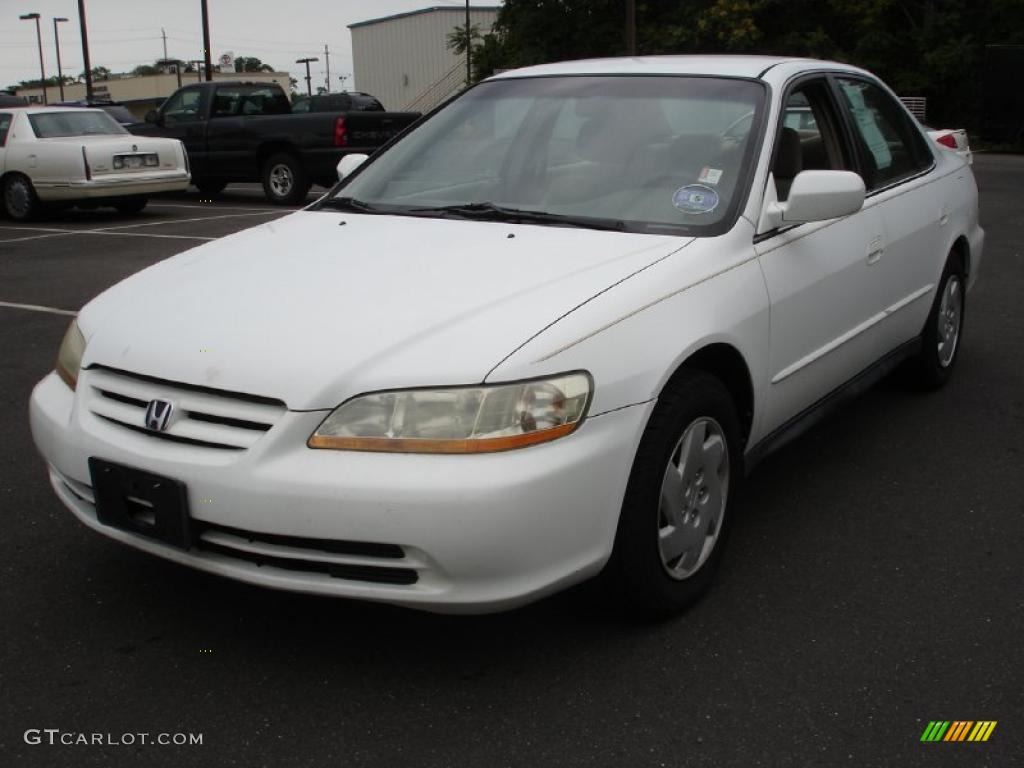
x: 404, y: 60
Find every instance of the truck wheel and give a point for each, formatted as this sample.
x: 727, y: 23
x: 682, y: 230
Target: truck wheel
x: 209, y: 187
x: 131, y: 205
x: 284, y: 179
x: 19, y: 198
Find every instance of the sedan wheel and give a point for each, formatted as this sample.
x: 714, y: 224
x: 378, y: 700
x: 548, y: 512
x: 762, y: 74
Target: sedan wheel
x: 679, y: 499
x: 20, y: 201
x: 693, y: 494
x: 949, y: 316
x: 940, y: 339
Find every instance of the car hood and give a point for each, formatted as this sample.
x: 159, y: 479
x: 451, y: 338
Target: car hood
x: 319, y: 306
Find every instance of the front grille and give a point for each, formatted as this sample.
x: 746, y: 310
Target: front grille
x: 352, y: 560
x: 202, y: 416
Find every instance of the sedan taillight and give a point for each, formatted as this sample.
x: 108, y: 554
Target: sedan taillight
x: 947, y: 140
x: 340, y: 135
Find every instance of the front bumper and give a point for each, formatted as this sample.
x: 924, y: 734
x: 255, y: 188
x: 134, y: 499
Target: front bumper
x: 480, y: 533
x: 119, y: 185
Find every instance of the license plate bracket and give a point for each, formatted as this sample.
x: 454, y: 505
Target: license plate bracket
x: 141, y: 502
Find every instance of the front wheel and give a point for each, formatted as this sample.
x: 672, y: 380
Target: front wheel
x: 284, y: 179
x: 19, y: 198
x: 680, y: 497
x: 940, y: 339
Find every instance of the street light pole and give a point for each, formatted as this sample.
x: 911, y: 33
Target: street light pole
x: 39, y: 40
x: 85, y: 50
x: 309, y: 80
x: 208, y: 61
x: 469, y: 50
x: 56, y: 42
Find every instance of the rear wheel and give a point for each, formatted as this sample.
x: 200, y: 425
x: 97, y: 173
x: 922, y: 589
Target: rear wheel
x: 19, y: 198
x: 284, y: 179
x: 940, y: 340
x: 680, y: 497
x: 132, y: 205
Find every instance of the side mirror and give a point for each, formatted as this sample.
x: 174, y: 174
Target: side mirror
x: 153, y: 117
x: 818, y: 196
x: 348, y: 164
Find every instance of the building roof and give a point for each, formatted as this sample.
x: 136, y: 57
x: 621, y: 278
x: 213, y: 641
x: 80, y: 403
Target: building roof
x: 722, y: 65
x: 460, y: 8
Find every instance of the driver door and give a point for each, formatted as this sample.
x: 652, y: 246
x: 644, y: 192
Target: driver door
x: 820, y: 276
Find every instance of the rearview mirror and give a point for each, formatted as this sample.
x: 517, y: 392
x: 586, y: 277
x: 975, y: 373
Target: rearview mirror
x: 819, y: 195
x: 153, y: 117
x: 348, y: 164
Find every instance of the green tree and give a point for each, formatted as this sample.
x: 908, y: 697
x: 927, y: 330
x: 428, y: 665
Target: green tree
x: 146, y: 69
x: 251, y: 64
x: 457, y: 38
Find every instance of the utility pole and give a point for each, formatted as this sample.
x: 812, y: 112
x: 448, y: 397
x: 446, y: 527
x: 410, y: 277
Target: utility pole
x: 164, y: 36
x: 39, y: 39
x: 207, y: 61
x: 85, y: 50
x: 309, y: 81
x: 56, y: 41
x: 469, y: 50
x: 327, y: 61
x: 631, y: 27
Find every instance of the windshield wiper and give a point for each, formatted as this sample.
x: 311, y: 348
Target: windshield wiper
x: 492, y: 212
x: 351, y: 204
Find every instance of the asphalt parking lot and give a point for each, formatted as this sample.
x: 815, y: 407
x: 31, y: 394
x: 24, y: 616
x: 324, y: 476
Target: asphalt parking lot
x: 873, y: 583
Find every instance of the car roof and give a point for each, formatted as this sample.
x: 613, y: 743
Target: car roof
x: 55, y: 108
x: 751, y: 66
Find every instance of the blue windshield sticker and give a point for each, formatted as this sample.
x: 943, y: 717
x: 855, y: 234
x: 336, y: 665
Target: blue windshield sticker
x: 695, y: 198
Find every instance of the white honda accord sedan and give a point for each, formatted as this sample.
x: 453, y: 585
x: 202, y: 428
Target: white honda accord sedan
x: 544, y: 333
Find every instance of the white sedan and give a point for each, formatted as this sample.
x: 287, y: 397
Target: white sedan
x: 545, y: 333
x: 59, y: 157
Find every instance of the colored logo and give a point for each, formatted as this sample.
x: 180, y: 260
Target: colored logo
x: 695, y: 198
x: 958, y: 730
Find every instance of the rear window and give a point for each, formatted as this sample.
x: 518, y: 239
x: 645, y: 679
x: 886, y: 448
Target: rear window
x: 79, y: 122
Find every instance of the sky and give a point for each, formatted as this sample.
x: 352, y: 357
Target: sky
x: 125, y: 33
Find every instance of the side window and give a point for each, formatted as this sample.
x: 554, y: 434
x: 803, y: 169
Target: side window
x: 890, y: 147
x: 262, y: 101
x: 226, y: 102
x: 809, y: 139
x: 5, y: 125
x: 182, y: 106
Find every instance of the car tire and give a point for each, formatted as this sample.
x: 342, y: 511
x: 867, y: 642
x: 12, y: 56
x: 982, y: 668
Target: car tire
x: 210, y: 187
x: 285, y: 181
x: 132, y: 205
x: 932, y: 366
x: 19, y: 198
x: 680, y: 498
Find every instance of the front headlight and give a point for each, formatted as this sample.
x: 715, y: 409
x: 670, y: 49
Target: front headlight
x: 482, y: 419
x: 69, y: 356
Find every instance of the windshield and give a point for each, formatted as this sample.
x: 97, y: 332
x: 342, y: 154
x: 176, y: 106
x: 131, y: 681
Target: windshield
x: 78, y: 122
x: 650, y: 154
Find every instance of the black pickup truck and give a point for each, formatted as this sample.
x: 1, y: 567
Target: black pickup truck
x: 238, y: 131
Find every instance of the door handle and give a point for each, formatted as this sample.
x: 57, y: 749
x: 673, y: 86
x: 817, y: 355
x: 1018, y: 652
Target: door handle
x: 875, y: 251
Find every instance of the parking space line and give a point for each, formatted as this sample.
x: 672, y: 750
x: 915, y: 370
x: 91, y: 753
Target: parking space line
x: 218, y: 207
x: 184, y: 221
x: 30, y: 237
x: 60, y: 232
x: 37, y: 308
